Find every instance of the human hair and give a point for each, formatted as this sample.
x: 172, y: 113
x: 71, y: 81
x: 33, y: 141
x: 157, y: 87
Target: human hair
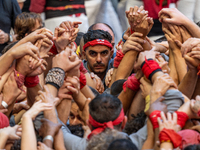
x: 117, y: 87
x: 92, y: 27
x: 192, y: 147
x: 76, y: 130
x: 78, y: 38
x: 122, y: 144
x: 105, y: 108
x: 25, y: 22
x: 136, y: 123
x: 102, y: 141
x: 97, y: 34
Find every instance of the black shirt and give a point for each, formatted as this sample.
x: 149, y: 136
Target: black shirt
x: 9, y: 12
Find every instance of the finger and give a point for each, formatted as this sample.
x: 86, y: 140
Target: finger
x: 175, y: 117
x: 159, y: 121
x: 163, y: 116
x: 169, y: 116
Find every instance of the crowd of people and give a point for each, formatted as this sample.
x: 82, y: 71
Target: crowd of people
x: 69, y: 90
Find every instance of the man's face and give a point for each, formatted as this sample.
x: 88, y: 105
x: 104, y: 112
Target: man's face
x: 74, y: 118
x: 97, y: 58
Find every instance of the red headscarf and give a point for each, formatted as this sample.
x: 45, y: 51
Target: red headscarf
x: 98, y: 42
x: 4, y: 122
x: 100, y: 127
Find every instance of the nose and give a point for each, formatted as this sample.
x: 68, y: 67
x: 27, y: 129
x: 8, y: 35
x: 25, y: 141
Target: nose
x: 98, y: 58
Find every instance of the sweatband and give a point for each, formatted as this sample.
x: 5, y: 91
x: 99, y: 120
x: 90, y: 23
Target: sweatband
x: 4, y: 104
x: 119, y: 56
x: 55, y: 77
x: 182, y: 117
x: 82, y: 79
x: 150, y: 67
x: 48, y: 137
x: 98, y: 42
x: 31, y: 81
x: 168, y: 135
x: 154, y: 118
x: 19, y: 78
x: 132, y: 83
x: 82, y: 68
x: 100, y: 127
x: 147, y: 100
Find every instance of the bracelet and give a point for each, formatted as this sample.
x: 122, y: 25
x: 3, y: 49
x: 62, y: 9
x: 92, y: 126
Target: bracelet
x: 4, y: 104
x: 48, y: 137
x: 55, y: 77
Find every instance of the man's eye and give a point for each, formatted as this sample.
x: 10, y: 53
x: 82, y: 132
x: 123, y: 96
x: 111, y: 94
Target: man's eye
x: 72, y: 116
x: 93, y: 54
x: 104, y: 53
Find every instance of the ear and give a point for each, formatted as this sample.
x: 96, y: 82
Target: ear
x: 124, y: 123
x: 84, y: 55
x: 89, y: 125
x: 111, y: 52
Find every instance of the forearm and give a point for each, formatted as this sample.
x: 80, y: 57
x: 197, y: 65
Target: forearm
x: 192, y: 28
x: 188, y: 84
x: 166, y: 146
x: 180, y: 64
x: 87, y: 92
x: 4, y: 138
x: 197, y: 88
x: 126, y: 98
x: 173, y: 72
x: 6, y: 60
x: 149, y: 143
x: 89, y: 81
x: 80, y: 100
x: 126, y: 66
x: 113, y: 77
x: 28, y: 139
x: 156, y: 133
x: 32, y: 93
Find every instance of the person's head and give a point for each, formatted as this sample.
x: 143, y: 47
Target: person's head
x: 74, y: 118
x: 103, y: 140
x: 97, y: 50
x: 76, y: 130
x: 105, y: 108
x: 104, y: 27
x: 122, y: 144
x: 26, y: 23
x: 192, y: 147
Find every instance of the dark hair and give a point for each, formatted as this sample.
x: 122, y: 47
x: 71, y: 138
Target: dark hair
x: 105, y: 108
x: 133, y: 125
x: 78, y: 38
x: 92, y: 27
x: 122, y: 144
x: 192, y: 147
x: 9, y: 46
x: 97, y: 34
x: 25, y: 22
x: 117, y: 87
x: 161, y: 39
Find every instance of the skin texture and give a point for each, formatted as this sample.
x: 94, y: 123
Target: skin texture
x: 74, y: 118
x: 97, y: 58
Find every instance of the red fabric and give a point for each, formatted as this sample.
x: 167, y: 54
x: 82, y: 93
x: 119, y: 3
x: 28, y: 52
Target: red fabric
x: 198, y: 113
x: 118, y: 58
x: 66, y: 7
x: 131, y: 31
x: 189, y: 137
x: 37, y: 6
x: 82, y: 79
x: 198, y: 68
x: 149, y: 67
x: 100, y: 127
x: 171, y: 135
x: 53, y: 50
x: 82, y: 69
x: 4, y: 122
x: 132, y: 83
x: 182, y: 117
x: 153, y: 8
x: 31, y: 81
x: 98, y: 42
x: 154, y: 118
x: 19, y: 78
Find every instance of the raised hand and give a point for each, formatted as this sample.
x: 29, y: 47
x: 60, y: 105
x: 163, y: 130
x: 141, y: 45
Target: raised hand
x: 99, y: 84
x: 13, y: 133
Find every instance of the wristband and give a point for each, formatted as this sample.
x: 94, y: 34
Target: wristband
x: 48, y: 137
x: 168, y: 135
x: 119, y: 56
x: 150, y: 67
x: 132, y: 83
x: 182, y: 117
x: 55, y: 77
x: 154, y: 118
x: 82, y: 79
x: 4, y: 104
x: 147, y: 100
x: 19, y: 78
x: 31, y: 81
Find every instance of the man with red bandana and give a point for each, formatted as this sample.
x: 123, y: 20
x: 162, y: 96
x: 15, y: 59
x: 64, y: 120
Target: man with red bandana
x: 98, y: 52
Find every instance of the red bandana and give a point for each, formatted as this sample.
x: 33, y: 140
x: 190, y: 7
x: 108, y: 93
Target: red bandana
x: 82, y: 79
x: 31, y: 81
x: 102, y: 126
x: 132, y: 83
x: 119, y: 56
x: 98, y: 42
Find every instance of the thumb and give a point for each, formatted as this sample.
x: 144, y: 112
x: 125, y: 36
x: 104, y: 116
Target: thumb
x: 178, y: 43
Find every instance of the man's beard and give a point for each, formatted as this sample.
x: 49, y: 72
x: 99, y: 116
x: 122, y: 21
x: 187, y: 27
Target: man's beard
x: 76, y: 130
